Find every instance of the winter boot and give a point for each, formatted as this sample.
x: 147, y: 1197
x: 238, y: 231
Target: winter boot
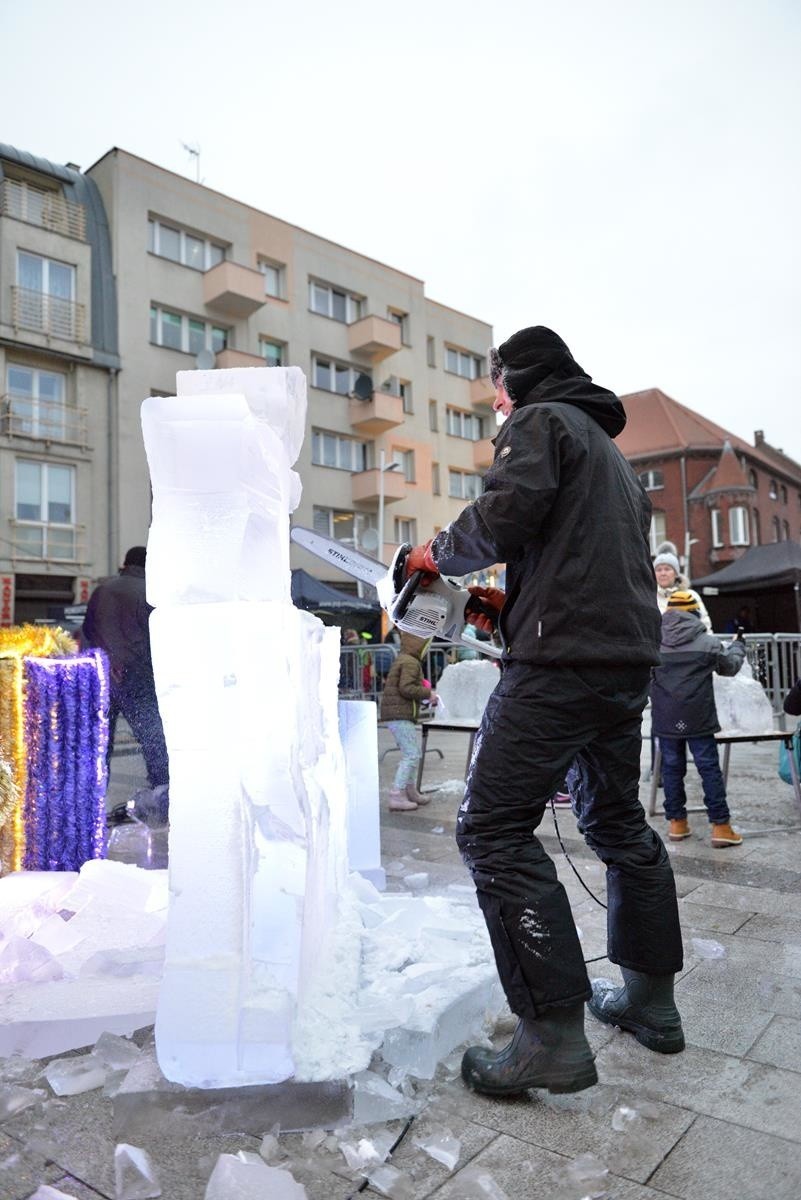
x: 400, y: 802
x: 644, y: 1006
x: 678, y: 830
x: 724, y: 835
x: 417, y: 797
x: 549, y: 1052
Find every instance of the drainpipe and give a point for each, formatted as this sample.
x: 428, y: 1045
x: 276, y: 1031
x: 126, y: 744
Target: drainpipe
x: 112, y: 548
x: 686, y: 512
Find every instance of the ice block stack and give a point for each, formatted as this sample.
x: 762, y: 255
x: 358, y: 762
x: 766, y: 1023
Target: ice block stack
x: 247, y: 688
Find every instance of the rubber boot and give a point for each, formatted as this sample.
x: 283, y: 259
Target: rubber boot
x: 416, y: 797
x: 644, y: 1006
x: 549, y: 1052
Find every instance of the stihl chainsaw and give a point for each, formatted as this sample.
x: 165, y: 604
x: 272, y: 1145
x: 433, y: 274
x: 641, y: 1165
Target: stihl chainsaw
x: 438, y: 610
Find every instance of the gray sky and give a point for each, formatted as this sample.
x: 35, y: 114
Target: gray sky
x: 626, y: 171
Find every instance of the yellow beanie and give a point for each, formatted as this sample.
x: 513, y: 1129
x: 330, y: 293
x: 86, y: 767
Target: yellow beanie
x: 684, y: 601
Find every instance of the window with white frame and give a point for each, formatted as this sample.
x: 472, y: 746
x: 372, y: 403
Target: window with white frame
x: 739, y: 533
x: 464, y: 485
x: 36, y: 402
x: 464, y: 424
x: 45, y: 275
x: 717, y: 527
x: 405, y: 393
x: 402, y: 319
x: 273, y: 273
x: 405, y: 460
x: 461, y: 362
x: 338, y: 523
x: 180, y: 246
x: 657, y: 531
x: 333, y: 450
x: 190, y: 335
x: 435, y: 483
x: 652, y: 481
x: 45, y: 509
x: 333, y: 302
x: 273, y: 352
x: 405, y: 530
x: 333, y: 376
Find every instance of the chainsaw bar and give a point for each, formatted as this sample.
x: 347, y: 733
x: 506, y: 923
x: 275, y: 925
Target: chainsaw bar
x: 353, y: 562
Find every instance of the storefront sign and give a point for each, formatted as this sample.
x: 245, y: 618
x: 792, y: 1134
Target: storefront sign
x: 6, y: 599
x: 83, y: 588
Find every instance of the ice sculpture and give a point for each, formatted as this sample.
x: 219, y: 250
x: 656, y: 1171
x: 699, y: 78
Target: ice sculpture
x: 742, y: 703
x: 464, y: 689
x: 247, y: 688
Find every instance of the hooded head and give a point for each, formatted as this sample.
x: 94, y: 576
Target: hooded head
x: 413, y: 645
x: 135, y: 557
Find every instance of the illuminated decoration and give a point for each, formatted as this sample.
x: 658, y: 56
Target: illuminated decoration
x: 8, y: 791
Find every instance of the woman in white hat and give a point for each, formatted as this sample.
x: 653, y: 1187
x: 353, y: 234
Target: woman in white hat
x: 669, y: 579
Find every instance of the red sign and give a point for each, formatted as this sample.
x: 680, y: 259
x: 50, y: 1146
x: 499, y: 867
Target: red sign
x: 6, y: 599
x: 83, y: 588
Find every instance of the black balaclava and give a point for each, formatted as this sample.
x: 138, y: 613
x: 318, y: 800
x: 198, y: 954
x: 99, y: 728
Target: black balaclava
x: 529, y: 357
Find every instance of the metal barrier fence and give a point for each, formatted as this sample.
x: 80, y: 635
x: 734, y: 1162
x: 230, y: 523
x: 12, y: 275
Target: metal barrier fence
x: 775, y: 659
x: 363, y: 669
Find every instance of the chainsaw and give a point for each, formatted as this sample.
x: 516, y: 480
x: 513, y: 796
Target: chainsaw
x: 438, y: 610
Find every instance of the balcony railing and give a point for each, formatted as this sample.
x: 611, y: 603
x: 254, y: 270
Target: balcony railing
x: 38, y: 206
x: 45, y: 420
x: 376, y: 415
x: 48, y: 314
x: 39, y: 541
x: 233, y: 289
x: 238, y: 358
x: 366, y: 486
x: 374, y: 338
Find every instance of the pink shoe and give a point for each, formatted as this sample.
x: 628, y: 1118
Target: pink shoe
x: 562, y: 800
x: 400, y: 802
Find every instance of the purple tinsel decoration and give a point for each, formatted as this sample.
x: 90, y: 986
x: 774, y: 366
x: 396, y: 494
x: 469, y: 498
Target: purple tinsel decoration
x: 66, y: 731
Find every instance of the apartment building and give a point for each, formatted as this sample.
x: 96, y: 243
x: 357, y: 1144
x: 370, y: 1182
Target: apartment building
x: 58, y: 365
x: 395, y: 379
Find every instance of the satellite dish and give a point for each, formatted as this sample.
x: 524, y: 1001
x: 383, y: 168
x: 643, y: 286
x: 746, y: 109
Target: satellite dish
x: 369, y: 540
x: 363, y: 387
x: 204, y: 360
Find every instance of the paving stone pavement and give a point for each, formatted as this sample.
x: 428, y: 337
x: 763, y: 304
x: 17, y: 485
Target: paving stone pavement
x: 721, y: 1120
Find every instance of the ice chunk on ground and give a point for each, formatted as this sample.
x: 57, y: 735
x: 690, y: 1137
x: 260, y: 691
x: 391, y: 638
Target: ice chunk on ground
x: 14, y: 1099
x: 622, y: 1118
x: 589, y: 1172
x: 28, y: 897
x: 135, y: 1176
x: 476, y: 1183
x: 374, y: 1149
x: 118, y: 1053
x: 441, y: 1145
x: 451, y: 787
x: 245, y: 1176
x: 443, y: 1021
x: 465, y: 688
x: 416, y: 882
x: 270, y: 1147
x: 708, y: 948
x: 376, y: 1100
x: 22, y: 959
x: 69, y: 1076
x: 389, y: 1181
x: 46, y: 1192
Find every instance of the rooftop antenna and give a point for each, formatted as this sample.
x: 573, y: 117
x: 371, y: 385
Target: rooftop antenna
x: 194, y: 152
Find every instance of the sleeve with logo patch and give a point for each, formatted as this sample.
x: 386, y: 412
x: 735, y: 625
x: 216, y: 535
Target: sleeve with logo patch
x: 520, y: 488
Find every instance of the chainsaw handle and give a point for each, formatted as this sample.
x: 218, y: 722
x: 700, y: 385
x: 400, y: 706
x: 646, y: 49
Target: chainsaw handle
x: 405, y: 595
x: 476, y: 605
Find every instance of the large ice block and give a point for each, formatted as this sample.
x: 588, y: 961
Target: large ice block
x: 464, y: 689
x: 358, y: 728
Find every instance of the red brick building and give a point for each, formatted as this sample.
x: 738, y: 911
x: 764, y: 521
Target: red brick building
x: 713, y: 494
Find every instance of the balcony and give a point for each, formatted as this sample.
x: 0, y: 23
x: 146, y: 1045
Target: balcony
x: 233, y: 289
x: 374, y: 338
x: 44, y: 420
x: 481, y: 390
x: 238, y: 358
x: 483, y: 454
x: 367, y: 486
x: 41, y: 542
x: 48, y: 314
x: 374, y: 417
x: 38, y: 206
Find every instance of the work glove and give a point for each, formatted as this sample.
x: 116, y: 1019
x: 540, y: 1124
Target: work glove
x: 492, y: 601
x: 420, y: 559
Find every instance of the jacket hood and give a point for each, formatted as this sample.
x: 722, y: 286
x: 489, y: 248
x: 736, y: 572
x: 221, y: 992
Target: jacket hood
x: 680, y: 628
x: 414, y: 645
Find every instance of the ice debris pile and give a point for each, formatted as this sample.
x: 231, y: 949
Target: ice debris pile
x: 742, y: 703
x: 464, y: 689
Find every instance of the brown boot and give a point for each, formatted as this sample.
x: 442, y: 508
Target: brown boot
x: 400, y: 802
x: 678, y: 830
x: 416, y: 797
x: 724, y: 835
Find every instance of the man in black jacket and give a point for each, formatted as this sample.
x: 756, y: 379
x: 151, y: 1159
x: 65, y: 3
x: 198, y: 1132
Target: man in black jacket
x: 580, y: 630
x: 116, y: 620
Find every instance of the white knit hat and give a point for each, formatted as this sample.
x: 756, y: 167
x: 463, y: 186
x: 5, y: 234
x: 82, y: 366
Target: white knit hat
x: 669, y: 560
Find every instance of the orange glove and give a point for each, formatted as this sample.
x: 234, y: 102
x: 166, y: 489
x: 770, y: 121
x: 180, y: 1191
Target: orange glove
x: 420, y: 560
x: 492, y: 601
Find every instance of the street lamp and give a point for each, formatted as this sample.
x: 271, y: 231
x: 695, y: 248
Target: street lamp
x: 383, y: 466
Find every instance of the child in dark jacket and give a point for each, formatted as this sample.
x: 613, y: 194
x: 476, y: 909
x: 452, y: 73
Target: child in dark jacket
x: 404, y: 691
x: 684, y: 714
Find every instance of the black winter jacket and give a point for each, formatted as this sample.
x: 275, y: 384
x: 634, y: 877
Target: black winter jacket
x: 682, y: 692
x: 117, y: 620
x: 567, y: 514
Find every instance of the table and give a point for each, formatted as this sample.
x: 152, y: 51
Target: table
x: 727, y: 740
x: 469, y: 727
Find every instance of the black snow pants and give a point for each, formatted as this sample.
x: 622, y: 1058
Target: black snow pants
x: 539, y: 721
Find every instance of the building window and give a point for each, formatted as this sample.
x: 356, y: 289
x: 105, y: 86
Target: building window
x: 35, y: 403
x: 757, y: 528
x: 405, y: 392
x: 333, y: 450
x: 190, y: 335
x: 331, y: 376
x: 330, y: 302
x: 784, y: 494
x: 401, y: 319
x: 657, y: 531
x: 46, y: 275
x: 652, y: 481
x: 405, y: 530
x: 433, y: 419
x: 464, y: 485
x: 738, y: 526
x: 179, y: 246
x: 435, y: 484
x: 786, y: 530
x: 752, y: 478
x: 347, y: 527
x: 405, y: 460
x: 717, y: 527
x: 777, y: 529
x: 273, y: 278
x: 45, y: 507
x: 461, y: 362
x: 44, y: 298
x: 773, y: 490
x: 464, y: 425
x: 431, y: 351
x: 273, y: 352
